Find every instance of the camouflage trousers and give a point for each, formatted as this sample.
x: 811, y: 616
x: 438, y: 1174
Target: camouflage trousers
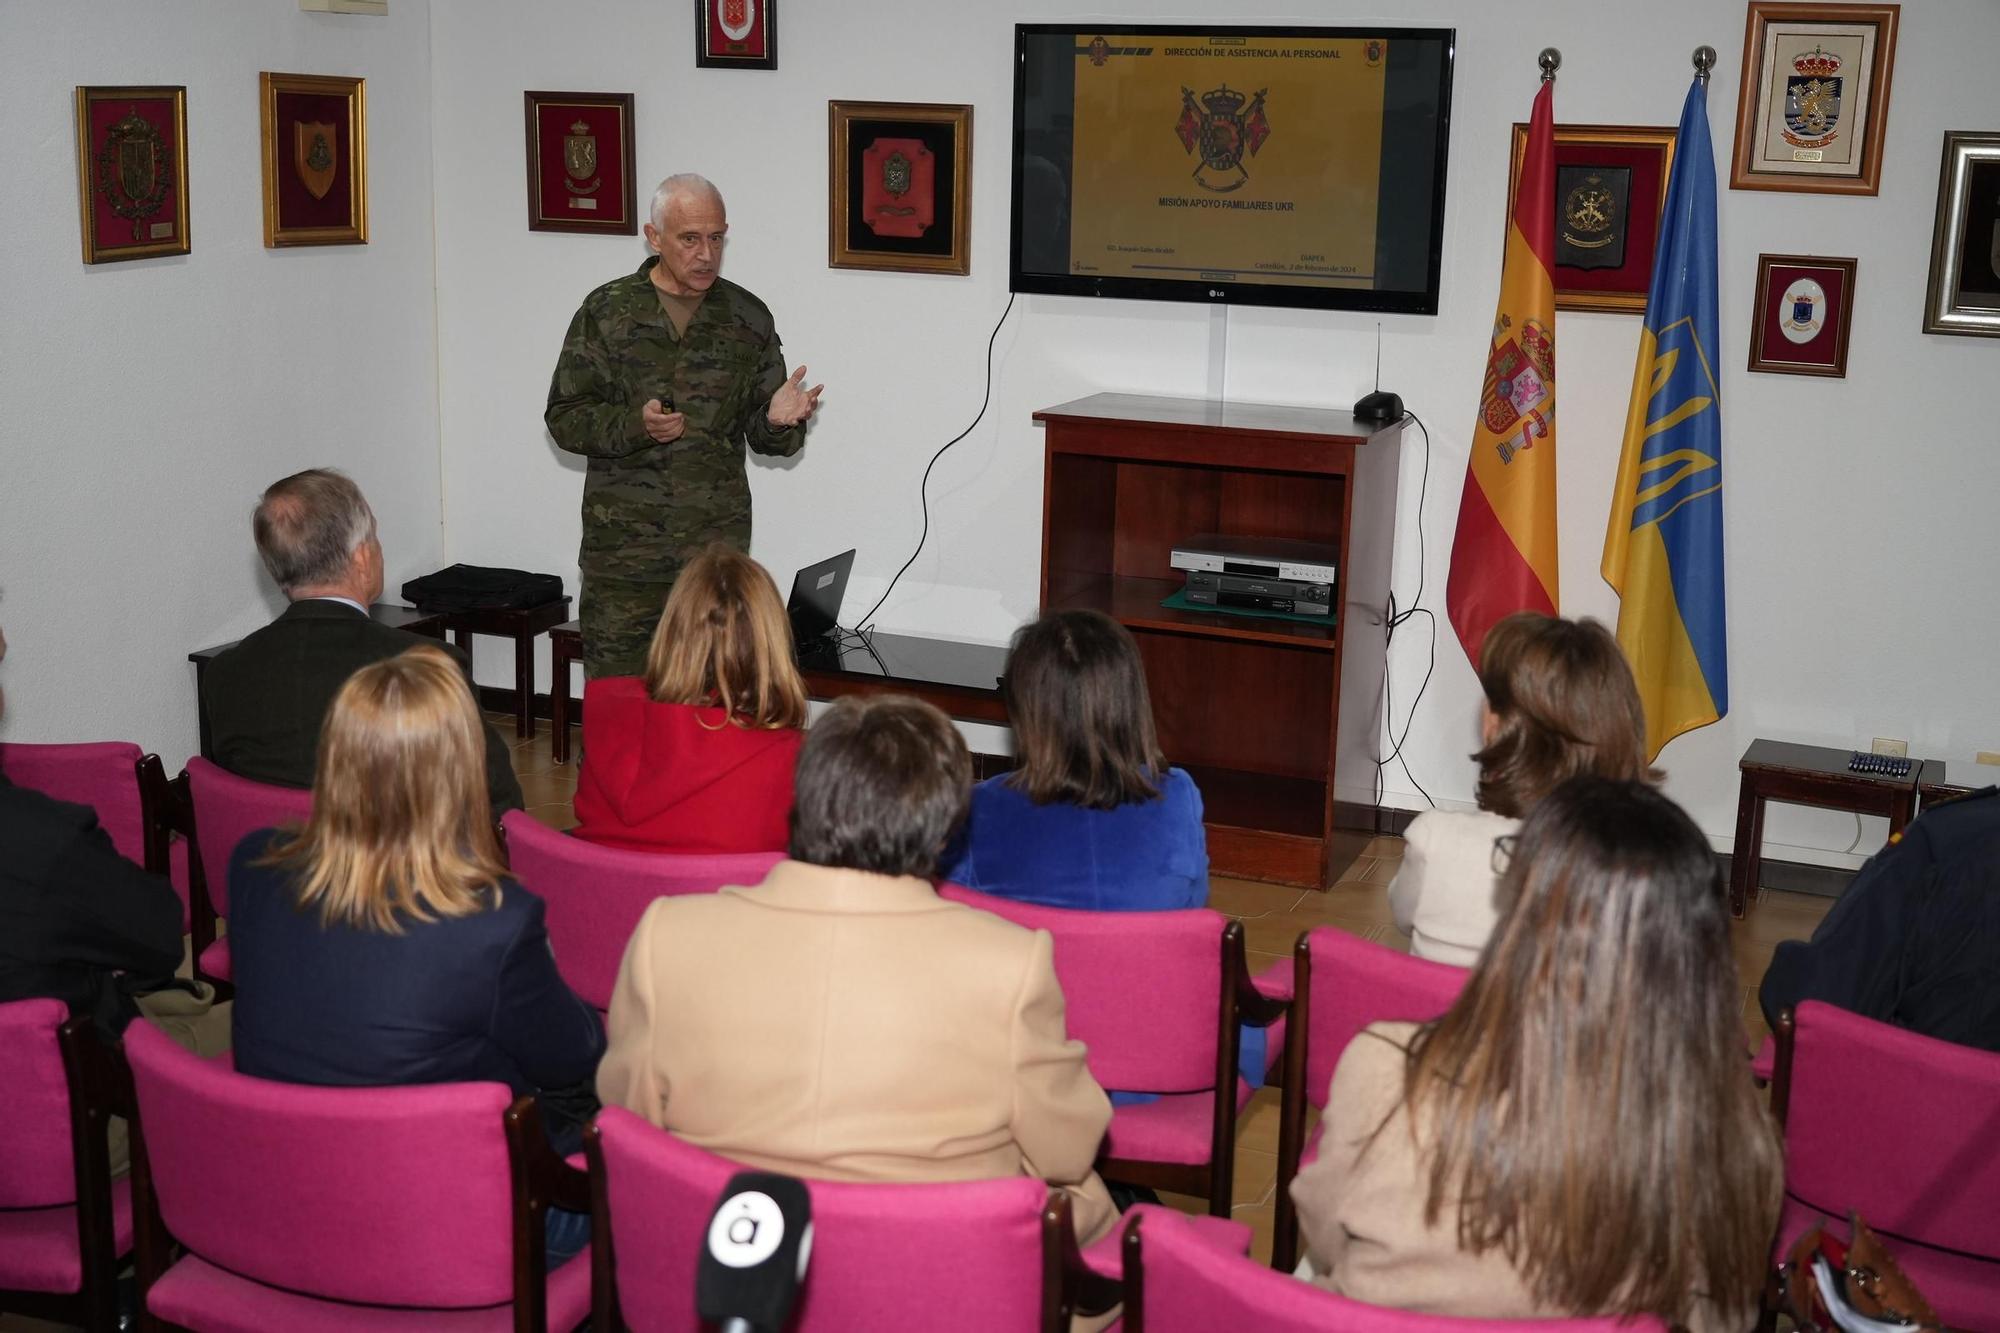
x: 618, y: 619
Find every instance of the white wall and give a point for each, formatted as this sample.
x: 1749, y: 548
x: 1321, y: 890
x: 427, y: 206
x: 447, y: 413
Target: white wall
x: 144, y: 404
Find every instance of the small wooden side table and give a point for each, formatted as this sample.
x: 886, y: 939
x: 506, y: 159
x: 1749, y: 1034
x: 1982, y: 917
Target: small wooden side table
x: 523, y: 625
x: 1807, y: 775
x: 565, y: 648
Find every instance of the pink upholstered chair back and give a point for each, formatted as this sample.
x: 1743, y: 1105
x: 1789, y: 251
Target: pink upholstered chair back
x: 100, y: 774
x: 1139, y: 988
x: 1898, y: 1127
x: 226, y: 810
x: 1356, y: 982
x: 391, y: 1196
x: 1190, y: 1285
x: 965, y: 1256
x: 36, y: 1168
x: 596, y: 895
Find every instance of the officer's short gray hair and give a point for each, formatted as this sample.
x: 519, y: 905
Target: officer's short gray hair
x: 309, y: 526
x: 685, y: 186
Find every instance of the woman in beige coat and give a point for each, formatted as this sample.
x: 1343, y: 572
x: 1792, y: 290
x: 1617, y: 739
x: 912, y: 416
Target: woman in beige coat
x: 840, y: 1021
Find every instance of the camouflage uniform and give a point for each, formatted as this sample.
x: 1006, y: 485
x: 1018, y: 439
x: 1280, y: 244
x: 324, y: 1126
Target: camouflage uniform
x: 646, y: 506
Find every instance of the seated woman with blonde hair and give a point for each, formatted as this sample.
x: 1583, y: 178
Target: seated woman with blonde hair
x: 1560, y: 702
x: 697, y: 755
x: 1578, y: 1134
x: 383, y: 943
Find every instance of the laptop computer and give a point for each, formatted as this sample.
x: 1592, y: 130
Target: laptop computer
x: 814, y: 606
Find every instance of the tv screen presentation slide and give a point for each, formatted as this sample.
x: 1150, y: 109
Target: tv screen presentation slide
x: 1194, y: 155
x: 1268, y: 159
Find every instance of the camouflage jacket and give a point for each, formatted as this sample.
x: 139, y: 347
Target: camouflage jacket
x: 647, y: 505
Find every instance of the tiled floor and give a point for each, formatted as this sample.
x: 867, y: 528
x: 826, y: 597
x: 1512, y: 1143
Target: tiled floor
x: 1273, y: 917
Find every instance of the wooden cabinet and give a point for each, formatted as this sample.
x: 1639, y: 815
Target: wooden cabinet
x: 1268, y: 715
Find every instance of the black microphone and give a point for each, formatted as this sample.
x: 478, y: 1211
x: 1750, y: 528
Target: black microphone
x: 759, y: 1241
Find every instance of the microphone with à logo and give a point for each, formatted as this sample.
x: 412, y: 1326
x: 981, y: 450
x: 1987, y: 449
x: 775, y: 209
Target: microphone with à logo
x: 759, y: 1242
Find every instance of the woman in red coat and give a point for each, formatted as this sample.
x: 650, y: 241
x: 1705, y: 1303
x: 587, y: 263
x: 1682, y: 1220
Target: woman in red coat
x: 697, y: 755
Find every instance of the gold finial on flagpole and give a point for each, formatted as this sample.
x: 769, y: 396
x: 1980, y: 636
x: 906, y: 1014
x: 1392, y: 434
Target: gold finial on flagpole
x: 1550, y: 60
x: 1704, y: 61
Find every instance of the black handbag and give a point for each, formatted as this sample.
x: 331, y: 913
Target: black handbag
x: 482, y: 588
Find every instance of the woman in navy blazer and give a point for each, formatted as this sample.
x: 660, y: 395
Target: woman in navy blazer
x: 383, y: 943
x: 1093, y: 817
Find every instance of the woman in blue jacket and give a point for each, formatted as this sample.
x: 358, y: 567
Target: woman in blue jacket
x: 1093, y: 817
x: 384, y: 943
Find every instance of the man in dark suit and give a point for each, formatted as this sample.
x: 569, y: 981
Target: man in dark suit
x: 267, y: 696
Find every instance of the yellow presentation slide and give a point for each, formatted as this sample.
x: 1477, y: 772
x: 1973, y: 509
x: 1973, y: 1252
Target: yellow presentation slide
x: 1199, y: 155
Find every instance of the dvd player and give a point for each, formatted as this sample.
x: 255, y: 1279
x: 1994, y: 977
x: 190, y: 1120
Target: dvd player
x: 1257, y: 557
x: 1289, y: 595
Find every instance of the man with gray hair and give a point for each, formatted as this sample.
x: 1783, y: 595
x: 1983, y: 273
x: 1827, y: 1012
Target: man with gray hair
x: 665, y: 377
x: 267, y: 696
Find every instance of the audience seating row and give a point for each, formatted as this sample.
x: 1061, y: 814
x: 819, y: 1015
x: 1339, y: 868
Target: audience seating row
x: 59, y: 1237
x: 284, y: 1226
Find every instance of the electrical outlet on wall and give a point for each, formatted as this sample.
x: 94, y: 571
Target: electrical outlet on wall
x: 1885, y: 745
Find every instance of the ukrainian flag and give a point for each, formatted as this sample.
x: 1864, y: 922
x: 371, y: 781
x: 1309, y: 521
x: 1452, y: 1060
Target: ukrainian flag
x: 1663, y: 545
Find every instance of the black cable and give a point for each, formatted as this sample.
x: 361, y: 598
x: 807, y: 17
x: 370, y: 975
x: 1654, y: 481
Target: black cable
x: 1392, y: 622
x: 923, y: 487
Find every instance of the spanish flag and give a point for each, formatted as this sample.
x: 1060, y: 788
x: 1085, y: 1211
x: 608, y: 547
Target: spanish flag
x: 1503, y: 557
x: 1663, y: 544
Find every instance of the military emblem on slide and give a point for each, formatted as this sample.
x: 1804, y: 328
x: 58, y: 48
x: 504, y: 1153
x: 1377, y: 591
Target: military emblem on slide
x: 1517, y: 399
x: 1802, y: 311
x: 1100, y: 51
x: 580, y: 164
x: 132, y: 172
x: 1223, y: 129
x: 1812, y: 100
x: 312, y: 154
x: 1374, y: 51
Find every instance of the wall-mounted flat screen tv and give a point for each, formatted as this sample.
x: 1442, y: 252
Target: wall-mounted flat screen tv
x: 1258, y: 166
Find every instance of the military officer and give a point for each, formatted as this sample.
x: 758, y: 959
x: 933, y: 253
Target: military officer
x: 665, y: 376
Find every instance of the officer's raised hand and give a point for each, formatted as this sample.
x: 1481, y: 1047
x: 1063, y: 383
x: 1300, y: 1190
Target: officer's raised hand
x: 792, y: 403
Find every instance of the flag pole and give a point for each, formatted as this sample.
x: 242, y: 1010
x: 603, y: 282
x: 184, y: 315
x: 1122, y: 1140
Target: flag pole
x: 1551, y: 60
x: 1704, y: 61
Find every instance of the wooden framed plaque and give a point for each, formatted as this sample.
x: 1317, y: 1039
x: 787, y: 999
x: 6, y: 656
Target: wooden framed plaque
x: 131, y: 172
x: 315, y: 159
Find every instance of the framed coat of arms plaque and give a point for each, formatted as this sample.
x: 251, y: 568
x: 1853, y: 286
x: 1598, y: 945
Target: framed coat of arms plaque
x: 1815, y: 97
x: 1611, y: 182
x: 900, y: 188
x: 315, y: 159
x: 1802, y: 315
x: 736, y: 34
x: 131, y: 172
x: 580, y: 165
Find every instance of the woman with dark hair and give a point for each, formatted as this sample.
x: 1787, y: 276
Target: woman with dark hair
x: 696, y: 755
x: 1578, y: 1134
x: 1559, y: 702
x: 1093, y: 817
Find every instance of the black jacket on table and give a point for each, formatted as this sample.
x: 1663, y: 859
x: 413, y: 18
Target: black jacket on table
x: 267, y: 696
x: 473, y: 998
x: 74, y: 913
x: 1915, y: 940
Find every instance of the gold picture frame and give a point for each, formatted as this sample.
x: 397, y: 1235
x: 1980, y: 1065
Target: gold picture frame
x: 1814, y: 104
x: 911, y: 164
x: 131, y: 172
x: 1964, y: 292
x: 1640, y: 159
x: 315, y: 145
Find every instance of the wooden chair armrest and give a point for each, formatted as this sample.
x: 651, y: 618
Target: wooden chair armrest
x: 1070, y: 1285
